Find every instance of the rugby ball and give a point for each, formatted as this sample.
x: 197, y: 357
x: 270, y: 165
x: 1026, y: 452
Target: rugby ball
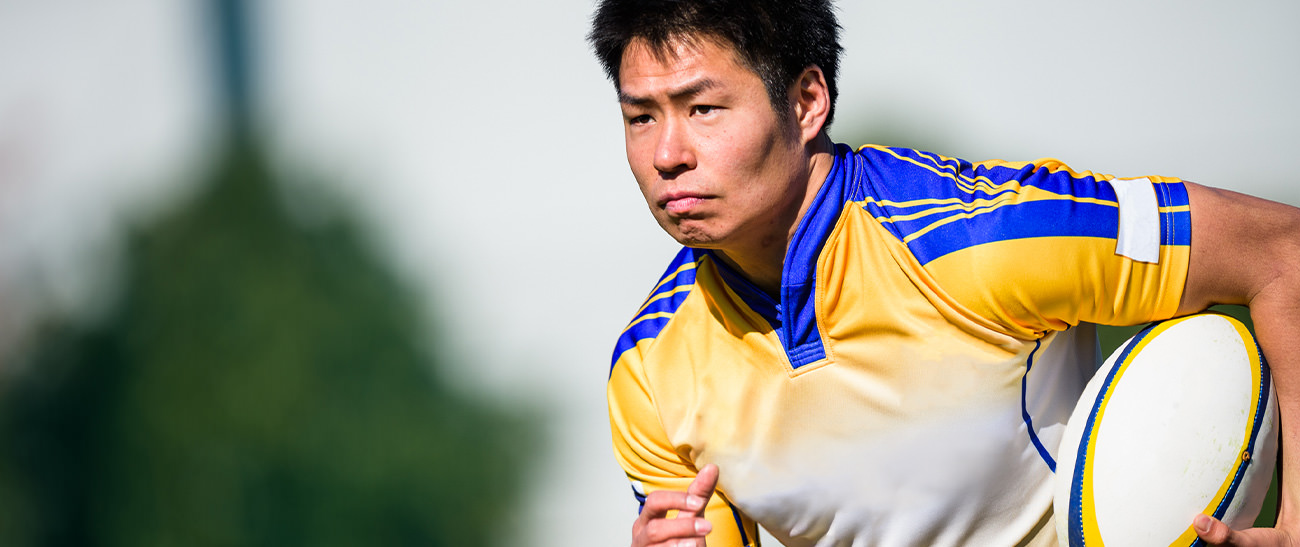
x: 1180, y: 420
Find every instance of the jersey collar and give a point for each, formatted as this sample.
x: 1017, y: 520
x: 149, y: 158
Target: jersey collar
x: 794, y: 316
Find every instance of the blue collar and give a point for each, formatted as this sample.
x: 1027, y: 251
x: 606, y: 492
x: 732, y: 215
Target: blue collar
x: 794, y: 316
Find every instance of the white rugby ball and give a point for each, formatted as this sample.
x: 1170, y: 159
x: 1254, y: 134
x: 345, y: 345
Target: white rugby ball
x: 1180, y: 420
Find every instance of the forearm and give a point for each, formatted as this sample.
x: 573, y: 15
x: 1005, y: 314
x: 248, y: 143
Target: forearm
x: 1246, y: 250
x: 1276, y: 314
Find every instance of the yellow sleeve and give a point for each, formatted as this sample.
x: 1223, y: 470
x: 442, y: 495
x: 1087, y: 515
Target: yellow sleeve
x: 651, y: 462
x: 1034, y: 285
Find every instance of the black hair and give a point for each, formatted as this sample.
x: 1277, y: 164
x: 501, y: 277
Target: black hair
x: 776, y: 39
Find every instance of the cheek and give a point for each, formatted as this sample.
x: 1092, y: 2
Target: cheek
x: 745, y: 164
x: 749, y: 149
x: 640, y: 157
x: 645, y: 194
x: 726, y: 155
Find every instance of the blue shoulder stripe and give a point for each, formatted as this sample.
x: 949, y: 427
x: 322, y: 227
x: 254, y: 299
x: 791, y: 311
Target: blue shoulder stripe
x: 664, y: 300
x: 938, y: 205
x: 1024, y: 220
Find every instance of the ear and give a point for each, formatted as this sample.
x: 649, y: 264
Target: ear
x: 811, y: 99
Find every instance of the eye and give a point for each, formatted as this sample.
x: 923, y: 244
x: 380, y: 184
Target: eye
x: 639, y: 120
x: 703, y: 109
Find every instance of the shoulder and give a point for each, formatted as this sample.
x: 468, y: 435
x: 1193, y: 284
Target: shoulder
x: 661, y: 305
x: 938, y: 204
x: 902, y: 174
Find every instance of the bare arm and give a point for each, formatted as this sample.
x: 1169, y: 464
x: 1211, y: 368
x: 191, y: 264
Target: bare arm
x: 1246, y: 250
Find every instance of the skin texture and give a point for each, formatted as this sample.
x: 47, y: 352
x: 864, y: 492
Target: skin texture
x: 720, y: 170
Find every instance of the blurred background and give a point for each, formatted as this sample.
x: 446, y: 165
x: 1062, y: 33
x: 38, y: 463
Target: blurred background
x: 344, y: 273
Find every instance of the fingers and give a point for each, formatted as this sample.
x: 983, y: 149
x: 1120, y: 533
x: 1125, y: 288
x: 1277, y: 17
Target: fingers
x: 678, y: 532
x: 704, y: 484
x: 653, y: 529
x: 690, y: 503
x: 659, y: 503
x: 1215, y: 533
x: 1211, y: 530
x: 688, y: 528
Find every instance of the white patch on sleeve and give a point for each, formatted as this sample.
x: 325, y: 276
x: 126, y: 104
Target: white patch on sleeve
x: 1139, y: 220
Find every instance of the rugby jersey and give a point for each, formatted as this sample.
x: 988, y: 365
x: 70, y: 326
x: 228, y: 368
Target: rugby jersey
x: 910, y: 384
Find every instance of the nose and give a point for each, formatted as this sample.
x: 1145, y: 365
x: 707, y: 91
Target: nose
x: 675, y: 151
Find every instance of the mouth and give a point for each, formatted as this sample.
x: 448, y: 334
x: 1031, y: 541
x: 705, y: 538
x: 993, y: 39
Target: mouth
x: 680, y: 203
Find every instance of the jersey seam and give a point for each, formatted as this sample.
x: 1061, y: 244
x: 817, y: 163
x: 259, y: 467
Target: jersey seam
x: 819, y: 290
x: 942, y: 294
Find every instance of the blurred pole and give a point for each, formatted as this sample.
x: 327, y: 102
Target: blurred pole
x: 235, y: 64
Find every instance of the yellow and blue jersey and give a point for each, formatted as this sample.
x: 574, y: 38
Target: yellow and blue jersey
x: 911, y: 382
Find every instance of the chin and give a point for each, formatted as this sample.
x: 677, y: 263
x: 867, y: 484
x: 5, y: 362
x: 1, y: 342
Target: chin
x: 690, y: 232
x: 699, y: 242
x: 694, y: 238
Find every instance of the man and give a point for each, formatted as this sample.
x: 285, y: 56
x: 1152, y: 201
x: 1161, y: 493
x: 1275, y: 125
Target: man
x: 878, y: 347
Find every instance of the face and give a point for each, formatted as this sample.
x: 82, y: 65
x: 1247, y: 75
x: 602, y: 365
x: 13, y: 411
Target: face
x: 717, y: 166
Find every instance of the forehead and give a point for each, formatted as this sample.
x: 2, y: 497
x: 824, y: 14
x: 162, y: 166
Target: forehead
x: 679, y: 59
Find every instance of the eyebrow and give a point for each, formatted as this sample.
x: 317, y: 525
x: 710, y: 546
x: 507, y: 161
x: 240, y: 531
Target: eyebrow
x: 685, y: 92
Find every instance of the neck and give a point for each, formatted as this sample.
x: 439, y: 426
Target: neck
x: 762, y: 263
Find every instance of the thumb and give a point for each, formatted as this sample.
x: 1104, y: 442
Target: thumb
x: 1213, y: 531
x: 703, y: 486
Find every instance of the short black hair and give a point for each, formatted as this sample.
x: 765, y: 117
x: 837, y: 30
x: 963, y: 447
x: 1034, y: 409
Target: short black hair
x: 777, y: 39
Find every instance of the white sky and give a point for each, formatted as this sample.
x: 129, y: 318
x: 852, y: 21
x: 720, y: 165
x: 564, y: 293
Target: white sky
x: 482, y: 139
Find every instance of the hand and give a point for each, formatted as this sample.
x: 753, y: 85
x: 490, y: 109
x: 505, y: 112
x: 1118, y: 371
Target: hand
x: 653, y: 528
x: 1216, y: 533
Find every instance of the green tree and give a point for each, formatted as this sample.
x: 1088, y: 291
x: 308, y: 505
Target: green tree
x: 260, y: 380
